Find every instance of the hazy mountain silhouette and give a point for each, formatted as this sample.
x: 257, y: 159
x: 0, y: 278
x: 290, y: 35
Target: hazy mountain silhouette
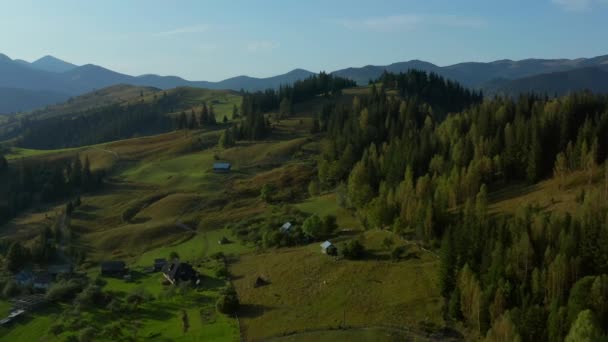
x: 52, y: 75
x: 594, y: 79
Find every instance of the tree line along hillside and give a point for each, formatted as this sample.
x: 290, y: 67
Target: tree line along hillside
x: 534, y: 276
x: 27, y: 182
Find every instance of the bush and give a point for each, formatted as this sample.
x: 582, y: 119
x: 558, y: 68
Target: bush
x: 91, y: 295
x: 228, y: 303
x: 329, y: 225
x: 116, y: 306
x: 71, y: 338
x: 10, y: 289
x: 397, y: 253
x: 266, y: 193
x: 313, y: 227
x: 86, y: 335
x: 313, y: 188
x: 64, y: 290
x: 222, y: 271
x: 353, y: 250
x: 56, y: 329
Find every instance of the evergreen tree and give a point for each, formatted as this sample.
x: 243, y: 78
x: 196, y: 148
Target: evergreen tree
x: 204, y: 118
x: 211, y: 115
x: 226, y: 139
x: 182, y: 122
x: 585, y: 328
x: 285, y: 109
x: 16, y: 257
x: 192, y: 124
x: 3, y: 164
x: 75, y: 177
x: 447, y: 266
x: 235, y: 112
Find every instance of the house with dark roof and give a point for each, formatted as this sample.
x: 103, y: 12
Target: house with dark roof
x: 24, y: 278
x: 221, y: 167
x: 176, y: 272
x: 113, y: 268
x: 329, y: 248
x: 159, y: 264
x: 42, y: 281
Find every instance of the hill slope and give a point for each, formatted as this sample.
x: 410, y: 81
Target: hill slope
x: 18, y: 100
x: 557, y: 83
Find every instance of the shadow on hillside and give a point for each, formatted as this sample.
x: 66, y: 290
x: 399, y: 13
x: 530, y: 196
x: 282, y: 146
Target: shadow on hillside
x: 139, y: 220
x: 87, y: 208
x: 512, y: 191
x: 253, y: 310
x: 83, y: 215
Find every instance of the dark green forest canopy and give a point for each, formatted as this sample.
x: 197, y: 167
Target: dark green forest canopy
x: 100, y: 125
x: 255, y: 105
x: 400, y: 168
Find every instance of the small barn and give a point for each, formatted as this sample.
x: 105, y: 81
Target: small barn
x: 113, y: 268
x: 176, y: 272
x: 221, y: 167
x: 286, y: 228
x: 159, y: 264
x: 329, y: 248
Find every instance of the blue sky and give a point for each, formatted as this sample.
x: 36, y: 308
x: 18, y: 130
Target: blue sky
x: 213, y: 40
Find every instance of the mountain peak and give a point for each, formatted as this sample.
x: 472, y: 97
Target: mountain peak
x: 52, y: 64
x: 4, y: 57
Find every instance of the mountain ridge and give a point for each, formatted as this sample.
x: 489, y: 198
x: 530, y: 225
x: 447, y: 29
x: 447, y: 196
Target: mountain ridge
x: 54, y: 75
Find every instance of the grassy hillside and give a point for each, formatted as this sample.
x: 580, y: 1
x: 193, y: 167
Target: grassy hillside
x: 161, y: 196
x: 309, y: 290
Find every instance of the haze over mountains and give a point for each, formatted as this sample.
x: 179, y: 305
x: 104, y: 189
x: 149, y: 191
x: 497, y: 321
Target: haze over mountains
x: 25, y: 86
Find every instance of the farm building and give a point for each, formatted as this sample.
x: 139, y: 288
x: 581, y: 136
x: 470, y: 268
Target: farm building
x: 159, y: 264
x: 42, y: 281
x: 176, y: 272
x: 24, y: 278
x: 221, y: 167
x: 113, y: 268
x: 286, y: 227
x: 329, y: 248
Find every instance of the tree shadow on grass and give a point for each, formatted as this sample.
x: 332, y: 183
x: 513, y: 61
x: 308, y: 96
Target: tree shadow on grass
x: 253, y: 310
x: 84, y: 215
x: 87, y: 208
x: 208, y: 283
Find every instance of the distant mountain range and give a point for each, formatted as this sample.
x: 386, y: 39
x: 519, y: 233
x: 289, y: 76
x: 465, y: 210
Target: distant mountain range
x: 25, y: 86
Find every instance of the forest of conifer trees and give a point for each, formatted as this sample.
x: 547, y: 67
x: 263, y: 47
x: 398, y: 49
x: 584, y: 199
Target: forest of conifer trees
x: 399, y: 166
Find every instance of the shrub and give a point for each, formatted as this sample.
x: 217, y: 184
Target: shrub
x: 116, y: 305
x: 353, y: 250
x: 313, y: 227
x: 10, y: 289
x: 71, y: 338
x: 86, y: 335
x: 266, y: 193
x: 313, y: 188
x: 56, y: 329
x: 217, y: 256
x: 228, y: 303
x: 397, y: 253
x: 222, y: 271
x: 64, y: 290
x: 91, y: 295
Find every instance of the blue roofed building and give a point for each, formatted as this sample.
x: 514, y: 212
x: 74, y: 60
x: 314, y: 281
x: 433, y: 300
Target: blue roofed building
x: 222, y: 167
